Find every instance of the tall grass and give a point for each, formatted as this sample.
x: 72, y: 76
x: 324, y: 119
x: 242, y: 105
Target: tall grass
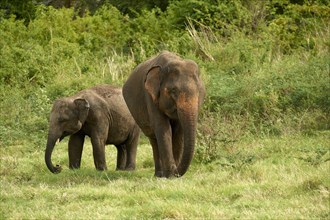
x: 273, y: 178
x: 253, y: 90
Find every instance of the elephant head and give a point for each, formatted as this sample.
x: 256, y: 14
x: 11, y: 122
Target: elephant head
x: 175, y: 87
x: 67, y: 117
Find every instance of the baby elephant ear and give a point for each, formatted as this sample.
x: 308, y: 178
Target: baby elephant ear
x: 83, y: 109
x: 152, y: 83
x: 81, y: 103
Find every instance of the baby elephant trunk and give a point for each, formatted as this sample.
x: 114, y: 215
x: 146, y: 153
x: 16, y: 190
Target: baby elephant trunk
x: 48, y: 155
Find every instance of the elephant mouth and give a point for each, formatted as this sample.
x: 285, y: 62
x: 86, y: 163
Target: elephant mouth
x: 65, y: 133
x: 172, y: 113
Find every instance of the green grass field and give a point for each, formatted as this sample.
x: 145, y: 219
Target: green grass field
x: 266, y: 178
x: 263, y: 139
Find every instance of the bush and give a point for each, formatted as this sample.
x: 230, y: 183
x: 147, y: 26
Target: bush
x: 218, y: 15
x: 265, y: 64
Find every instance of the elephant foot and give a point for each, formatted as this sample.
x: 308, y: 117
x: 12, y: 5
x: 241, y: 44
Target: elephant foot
x: 130, y: 167
x: 167, y: 173
x: 125, y: 169
x: 101, y: 168
x: 120, y: 168
x: 159, y: 174
x: 171, y: 175
x: 73, y: 167
x: 172, y: 172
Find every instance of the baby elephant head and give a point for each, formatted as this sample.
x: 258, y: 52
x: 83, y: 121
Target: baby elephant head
x: 66, y: 118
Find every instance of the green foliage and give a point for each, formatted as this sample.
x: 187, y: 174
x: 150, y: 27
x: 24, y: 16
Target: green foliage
x: 131, y: 7
x: 24, y: 10
x: 298, y: 25
x: 218, y: 15
x: 265, y: 63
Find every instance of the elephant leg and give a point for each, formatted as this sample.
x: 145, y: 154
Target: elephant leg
x: 131, y: 148
x: 99, y: 153
x: 75, y: 145
x: 158, y: 167
x: 177, y: 142
x: 164, y: 141
x: 121, y: 157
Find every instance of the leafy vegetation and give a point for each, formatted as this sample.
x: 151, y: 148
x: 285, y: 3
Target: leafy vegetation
x: 263, y: 133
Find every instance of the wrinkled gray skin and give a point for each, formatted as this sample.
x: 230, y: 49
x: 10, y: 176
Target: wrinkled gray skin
x: 100, y: 113
x: 164, y: 95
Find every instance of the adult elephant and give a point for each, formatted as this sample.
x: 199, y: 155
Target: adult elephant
x: 164, y: 95
x: 100, y: 113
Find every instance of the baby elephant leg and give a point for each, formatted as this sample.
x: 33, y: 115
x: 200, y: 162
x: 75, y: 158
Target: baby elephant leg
x: 76, y: 143
x: 99, y: 154
x: 131, y: 147
x: 121, y: 157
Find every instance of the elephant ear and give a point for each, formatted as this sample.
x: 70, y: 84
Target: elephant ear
x: 83, y: 108
x: 152, y: 83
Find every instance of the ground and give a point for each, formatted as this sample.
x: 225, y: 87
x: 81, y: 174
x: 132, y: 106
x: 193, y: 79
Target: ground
x: 260, y: 178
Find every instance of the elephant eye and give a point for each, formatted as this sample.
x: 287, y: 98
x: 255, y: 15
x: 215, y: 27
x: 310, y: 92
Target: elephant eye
x: 174, y: 92
x: 62, y: 120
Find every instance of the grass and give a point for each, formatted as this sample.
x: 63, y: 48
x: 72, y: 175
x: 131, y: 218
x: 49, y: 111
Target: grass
x: 260, y: 178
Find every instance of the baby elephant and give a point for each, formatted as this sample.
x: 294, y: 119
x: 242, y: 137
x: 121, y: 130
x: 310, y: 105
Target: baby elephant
x: 100, y: 113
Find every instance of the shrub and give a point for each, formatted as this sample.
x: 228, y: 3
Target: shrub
x: 265, y: 64
x: 151, y: 32
x: 222, y: 16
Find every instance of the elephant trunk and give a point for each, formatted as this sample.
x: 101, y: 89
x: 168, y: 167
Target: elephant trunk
x: 48, y: 154
x: 188, y: 119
